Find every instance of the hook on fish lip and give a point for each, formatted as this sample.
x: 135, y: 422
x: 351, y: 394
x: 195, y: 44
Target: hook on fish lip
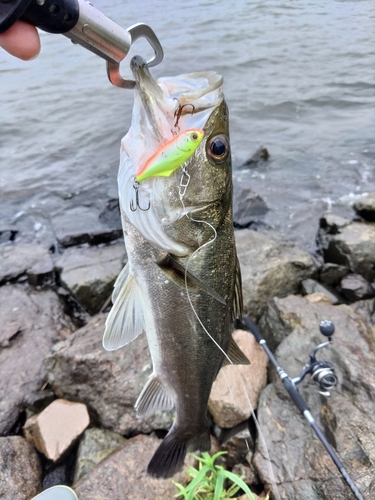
x: 177, y: 114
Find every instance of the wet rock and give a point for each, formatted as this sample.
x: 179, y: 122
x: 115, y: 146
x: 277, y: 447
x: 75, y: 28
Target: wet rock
x: 365, y: 207
x: 89, y: 273
x: 271, y: 266
x: 236, y: 385
x: 57, y: 427
x: 42, y: 274
x: 108, y: 382
x: 79, y: 225
x: 128, y: 465
x: 248, y: 206
x: 111, y: 214
x: 95, y: 446
x: 302, y: 467
x: 20, y: 469
x: 349, y: 244
x: 310, y: 286
x: 260, y: 155
x: 354, y: 287
x: 32, y: 322
x: 17, y: 258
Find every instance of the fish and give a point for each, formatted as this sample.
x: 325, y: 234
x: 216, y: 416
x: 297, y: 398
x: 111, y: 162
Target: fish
x: 182, y: 283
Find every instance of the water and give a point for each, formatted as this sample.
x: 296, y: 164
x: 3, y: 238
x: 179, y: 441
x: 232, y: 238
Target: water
x: 299, y: 79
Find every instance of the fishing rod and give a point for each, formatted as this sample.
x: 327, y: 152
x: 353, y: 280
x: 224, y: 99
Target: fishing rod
x: 323, y: 375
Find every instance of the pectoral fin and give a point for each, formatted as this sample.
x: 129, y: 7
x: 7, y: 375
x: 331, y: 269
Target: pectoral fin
x: 176, y: 272
x: 125, y: 320
x: 152, y: 398
x: 235, y: 355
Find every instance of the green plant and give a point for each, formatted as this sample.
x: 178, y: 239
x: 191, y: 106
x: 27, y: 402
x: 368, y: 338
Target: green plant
x: 208, y: 481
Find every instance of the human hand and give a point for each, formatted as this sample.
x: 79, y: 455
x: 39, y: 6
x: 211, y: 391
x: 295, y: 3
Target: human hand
x: 21, y: 40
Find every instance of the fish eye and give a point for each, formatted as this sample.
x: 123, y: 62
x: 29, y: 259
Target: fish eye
x: 218, y: 148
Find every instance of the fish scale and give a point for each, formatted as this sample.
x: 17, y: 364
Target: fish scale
x: 181, y: 285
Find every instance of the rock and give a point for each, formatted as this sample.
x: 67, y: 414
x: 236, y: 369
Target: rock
x: 271, y: 266
x: 108, y: 382
x: 236, y: 385
x: 42, y: 274
x: 248, y: 206
x: 349, y: 244
x: 354, y: 287
x: 111, y: 214
x: 32, y: 322
x: 20, y: 469
x: 302, y: 467
x: 260, y: 155
x: 89, y: 273
x: 365, y: 207
x: 331, y: 274
x: 57, y: 427
x: 17, y: 258
x: 79, y: 225
x: 123, y: 475
x: 247, y: 474
x: 318, y: 298
x: 7, y: 234
x: 310, y: 286
x: 95, y: 446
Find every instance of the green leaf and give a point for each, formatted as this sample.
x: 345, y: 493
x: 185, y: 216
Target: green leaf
x: 219, y: 486
x: 237, y: 480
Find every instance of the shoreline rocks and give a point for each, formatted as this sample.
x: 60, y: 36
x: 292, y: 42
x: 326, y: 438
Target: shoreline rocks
x: 48, y: 296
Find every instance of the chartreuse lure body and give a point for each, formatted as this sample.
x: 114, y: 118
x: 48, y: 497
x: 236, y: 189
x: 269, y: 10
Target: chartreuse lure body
x: 172, y: 155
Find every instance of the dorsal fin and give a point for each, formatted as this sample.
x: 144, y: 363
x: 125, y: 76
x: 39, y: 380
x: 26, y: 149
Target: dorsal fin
x: 176, y: 272
x: 235, y: 355
x: 125, y: 320
x: 153, y: 397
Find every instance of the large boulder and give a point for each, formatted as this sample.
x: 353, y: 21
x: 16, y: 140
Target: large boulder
x: 271, y: 267
x: 302, y: 467
x: 20, y: 469
x: 365, y: 207
x: 108, y: 382
x: 17, y: 258
x: 32, y: 322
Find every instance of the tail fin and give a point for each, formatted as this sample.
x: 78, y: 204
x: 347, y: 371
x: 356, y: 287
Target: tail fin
x: 169, y: 458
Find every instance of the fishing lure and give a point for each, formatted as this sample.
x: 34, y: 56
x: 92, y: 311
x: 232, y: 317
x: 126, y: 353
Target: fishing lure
x: 172, y: 155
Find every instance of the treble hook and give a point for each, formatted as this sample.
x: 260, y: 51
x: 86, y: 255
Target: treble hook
x: 177, y: 115
x: 133, y: 207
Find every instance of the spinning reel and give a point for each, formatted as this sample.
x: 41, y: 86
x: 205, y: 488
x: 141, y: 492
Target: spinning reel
x: 322, y: 372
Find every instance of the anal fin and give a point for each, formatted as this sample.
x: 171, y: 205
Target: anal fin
x: 153, y: 397
x: 235, y: 355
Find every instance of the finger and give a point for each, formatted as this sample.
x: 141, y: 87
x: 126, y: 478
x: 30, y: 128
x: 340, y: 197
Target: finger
x: 21, y: 40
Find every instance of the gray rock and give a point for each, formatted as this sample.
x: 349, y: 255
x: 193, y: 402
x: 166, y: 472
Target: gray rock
x: 354, y: 287
x: 271, y: 266
x: 8, y: 234
x: 302, y: 467
x: 312, y: 286
x: 260, y: 155
x: 80, y: 369
x: 79, y: 225
x: 365, y: 207
x: 90, y: 272
x: 349, y: 244
x: 247, y: 205
x: 95, y: 446
x: 31, y: 323
x: 17, y: 258
x: 42, y: 274
x: 123, y: 475
x: 20, y: 469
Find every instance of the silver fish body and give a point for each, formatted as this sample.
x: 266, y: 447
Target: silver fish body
x: 182, y: 281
